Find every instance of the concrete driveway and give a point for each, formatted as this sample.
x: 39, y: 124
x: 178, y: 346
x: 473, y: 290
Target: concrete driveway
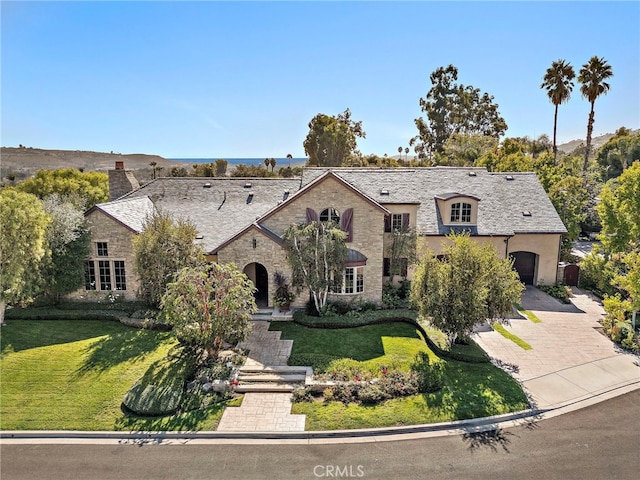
x: 570, y: 359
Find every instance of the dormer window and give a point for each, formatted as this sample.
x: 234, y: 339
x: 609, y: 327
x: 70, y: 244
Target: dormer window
x: 460, y: 212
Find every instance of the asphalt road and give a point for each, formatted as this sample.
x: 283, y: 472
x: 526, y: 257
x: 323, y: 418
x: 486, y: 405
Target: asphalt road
x: 598, y: 442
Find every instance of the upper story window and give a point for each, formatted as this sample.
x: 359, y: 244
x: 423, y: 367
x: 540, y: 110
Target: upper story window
x: 330, y: 215
x: 460, y: 212
x: 102, y: 249
x: 396, y: 222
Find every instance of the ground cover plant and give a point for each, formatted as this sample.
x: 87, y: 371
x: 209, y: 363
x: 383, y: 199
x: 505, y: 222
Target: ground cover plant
x: 74, y: 374
x: 469, y: 389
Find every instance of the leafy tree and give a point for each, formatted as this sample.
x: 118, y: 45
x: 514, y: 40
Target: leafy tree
x: 619, y: 211
x: 178, y: 172
x: 68, y: 242
x: 242, y: 170
x: 91, y: 187
x: 209, y: 304
x: 465, y: 287
x: 569, y: 197
x: 331, y: 139
x: 618, y: 153
x: 558, y: 82
x: 221, y: 167
x: 23, y: 245
x: 454, y: 108
x: 317, y: 254
x: 462, y: 149
x: 593, y: 76
x: 162, y: 248
x: 401, y: 248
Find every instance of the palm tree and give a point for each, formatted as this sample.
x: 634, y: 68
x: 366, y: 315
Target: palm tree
x: 266, y: 163
x: 592, y: 77
x: 272, y: 162
x: 558, y: 81
x: 400, y: 152
x: 406, y: 154
x: 289, y: 157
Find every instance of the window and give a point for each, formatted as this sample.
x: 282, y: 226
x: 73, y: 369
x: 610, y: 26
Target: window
x: 461, y: 213
x: 396, y: 222
x: 89, y: 275
x: 400, y: 268
x: 119, y: 274
x: 105, y: 275
x: 330, y: 214
x: 102, y: 249
x: 352, y: 281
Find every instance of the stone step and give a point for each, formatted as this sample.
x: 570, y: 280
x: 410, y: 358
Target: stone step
x: 266, y: 387
x: 271, y: 377
x: 272, y: 369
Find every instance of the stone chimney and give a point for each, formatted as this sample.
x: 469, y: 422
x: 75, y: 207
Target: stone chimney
x: 121, y: 181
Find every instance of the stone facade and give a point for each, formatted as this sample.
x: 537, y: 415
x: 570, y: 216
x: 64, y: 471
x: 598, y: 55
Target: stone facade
x: 119, y: 244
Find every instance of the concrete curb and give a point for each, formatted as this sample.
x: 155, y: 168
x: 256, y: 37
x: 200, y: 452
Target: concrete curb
x: 459, y: 427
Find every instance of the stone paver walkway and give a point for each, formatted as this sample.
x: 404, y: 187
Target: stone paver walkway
x: 263, y: 412
x: 569, y: 358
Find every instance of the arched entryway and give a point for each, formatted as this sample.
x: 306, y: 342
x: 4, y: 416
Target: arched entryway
x: 525, y: 264
x: 257, y: 273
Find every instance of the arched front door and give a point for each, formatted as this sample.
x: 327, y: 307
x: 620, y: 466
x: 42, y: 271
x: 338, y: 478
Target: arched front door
x: 525, y: 264
x: 257, y: 273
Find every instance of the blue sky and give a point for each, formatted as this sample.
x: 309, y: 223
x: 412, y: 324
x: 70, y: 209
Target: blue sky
x: 243, y: 79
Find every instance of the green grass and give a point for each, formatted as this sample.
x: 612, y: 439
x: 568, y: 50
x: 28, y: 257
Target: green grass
x: 510, y: 336
x: 527, y: 313
x: 73, y: 375
x: 470, y: 390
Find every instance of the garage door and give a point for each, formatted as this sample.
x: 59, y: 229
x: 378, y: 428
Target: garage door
x: 525, y: 264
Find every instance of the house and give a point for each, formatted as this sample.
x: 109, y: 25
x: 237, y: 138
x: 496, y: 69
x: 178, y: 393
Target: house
x: 242, y: 220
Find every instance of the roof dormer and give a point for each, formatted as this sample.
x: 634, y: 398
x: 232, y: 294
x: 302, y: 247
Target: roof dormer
x: 458, y: 208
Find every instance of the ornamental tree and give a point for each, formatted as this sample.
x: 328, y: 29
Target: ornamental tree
x: 468, y: 285
x: 23, y: 245
x: 209, y: 304
x: 317, y: 254
x: 162, y: 248
x: 332, y: 139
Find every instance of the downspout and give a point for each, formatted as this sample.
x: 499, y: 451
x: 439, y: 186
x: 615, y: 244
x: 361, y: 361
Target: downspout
x: 506, y: 247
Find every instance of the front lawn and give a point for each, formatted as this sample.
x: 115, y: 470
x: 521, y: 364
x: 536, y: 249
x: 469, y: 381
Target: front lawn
x: 470, y: 389
x: 73, y: 375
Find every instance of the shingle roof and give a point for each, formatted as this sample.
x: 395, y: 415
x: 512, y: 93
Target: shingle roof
x: 131, y: 212
x: 223, y: 208
x: 502, y: 201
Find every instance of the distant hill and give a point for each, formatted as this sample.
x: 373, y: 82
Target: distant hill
x: 25, y: 162
x: 596, y: 142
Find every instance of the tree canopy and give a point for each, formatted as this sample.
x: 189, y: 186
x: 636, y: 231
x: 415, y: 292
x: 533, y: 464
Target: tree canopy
x: 162, y: 248
x: 90, y: 187
x: 615, y: 156
x: 317, y: 254
x: 454, y: 108
x: 23, y: 245
x: 464, y: 287
x: 331, y: 139
x: 208, y: 305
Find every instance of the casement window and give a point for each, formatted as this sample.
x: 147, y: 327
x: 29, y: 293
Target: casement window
x: 105, y: 274
x: 352, y: 281
x: 396, y: 222
x: 89, y: 275
x: 461, y: 212
x: 119, y: 275
x: 102, y: 249
x: 400, y: 268
x: 344, y: 221
x: 109, y: 274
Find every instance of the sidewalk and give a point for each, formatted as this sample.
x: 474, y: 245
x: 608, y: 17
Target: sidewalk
x: 570, y: 359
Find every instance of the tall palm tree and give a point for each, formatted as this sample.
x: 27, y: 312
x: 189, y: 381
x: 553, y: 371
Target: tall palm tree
x: 558, y: 82
x: 400, y: 152
x: 592, y: 77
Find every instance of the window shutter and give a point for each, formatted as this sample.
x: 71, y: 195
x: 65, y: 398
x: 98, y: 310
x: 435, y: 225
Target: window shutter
x: 405, y: 221
x: 346, y: 223
x: 387, y: 223
x: 312, y: 215
x: 386, y: 267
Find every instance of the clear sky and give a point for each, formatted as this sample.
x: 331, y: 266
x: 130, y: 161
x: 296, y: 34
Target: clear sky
x: 243, y: 79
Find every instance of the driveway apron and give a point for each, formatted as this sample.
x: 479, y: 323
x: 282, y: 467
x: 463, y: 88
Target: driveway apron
x: 570, y: 359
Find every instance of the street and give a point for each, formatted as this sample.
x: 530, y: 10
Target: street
x: 597, y: 442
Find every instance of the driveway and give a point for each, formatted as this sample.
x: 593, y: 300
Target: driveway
x: 570, y: 359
